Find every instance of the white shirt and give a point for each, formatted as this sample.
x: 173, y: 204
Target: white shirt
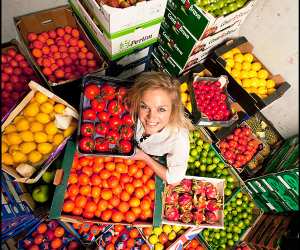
x: 174, y: 142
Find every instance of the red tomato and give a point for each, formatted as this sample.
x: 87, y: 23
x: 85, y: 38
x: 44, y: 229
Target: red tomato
x: 98, y: 105
x: 91, y: 91
x: 127, y: 120
x: 115, y: 123
x: 115, y: 108
x: 112, y: 136
x: 101, y: 128
x: 107, y: 92
x: 89, y: 114
x: 125, y: 146
x: 86, y: 144
x: 101, y: 145
x: 126, y: 133
x: 103, y: 116
x: 121, y: 93
x: 87, y: 129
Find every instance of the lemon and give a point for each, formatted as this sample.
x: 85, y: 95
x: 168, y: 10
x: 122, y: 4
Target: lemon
x: 153, y: 239
x: 237, y: 66
x: 270, y: 84
x: 256, y: 66
x: 252, y: 90
x: 235, y: 73
x: 46, y: 107
x: 227, y: 54
x: 262, y: 90
x: 4, y: 147
x: 7, y: 159
x: 271, y: 91
x: 31, y: 119
x: 189, y: 107
x: 229, y: 62
x: 27, y: 147
x: 18, y: 157
x: 40, y: 97
x: 50, y: 138
x: 247, y: 89
x: 51, y: 129
x: 36, y: 126
x: 22, y: 125
x: 254, y: 82
x: 263, y: 74
x: 34, y: 156
x: 18, y: 118
x: 248, y: 57
x: 44, y: 148
x: 31, y: 110
x: 43, y: 118
x: 252, y: 73
x: 235, y: 51
x: 27, y: 136
x: 183, y: 87
x: 14, y: 138
x: 262, y: 82
x: 69, y: 131
x: 201, y: 73
x: 238, y: 80
x: 58, y: 139
x: 13, y: 148
x: 158, y: 246
x: 246, y: 66
x: 238, y: 58
x: 59, y: 108
x: 40, y: 137
x: 183, y: 97
x: 10, y: 128
x: 228, y: 69
x: 243, y: 74
x: 246, y: 83
x: 5, y: 139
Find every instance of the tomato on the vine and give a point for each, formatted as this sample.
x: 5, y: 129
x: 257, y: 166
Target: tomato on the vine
x: 87, y: 129
x: 115, y: 122
x: 127, y: 120
x: 107, y: 92
x: 101, y: 128
x: 103, y: 116
x: 98, y: 105
x: 112, y: 136
x: 126, y: 133
x: 101, y: 145
x: 125, y: 146
x: 91, y: 91
x: 115, y: 108
x: 89, y: 114
x: 86, y: 144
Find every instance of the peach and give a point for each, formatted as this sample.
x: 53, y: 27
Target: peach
x: 14, y: 79
x: 84, y: 50
x: 73, y: 56
x: 37, y: 44
x: 53, y: 48
x: 81, y: 43
x: 68, y: 29
x: 56, y: 55
x: 46, y: 62
x: 91, y: 63
x: 8, y: 70
x: 4, y: 77
x: 42, y: 38
x: 67, y: 37
x: 75, y: 33
x: 28, y: 71
x: 59, y: 73
x: 50, y: 41
x: 73, y: 42
x: 83, y: 62
x: 45, y: 34
x: 68, y: 60
x: 60, y: 32
x: 72, y: 49
x: 60, y: 42
x: 60, y: 62
x: 31, y: 36
x: 81, y: 55
x: 40, y: 61
x: 23, y: 64
x: 54, y: 67
x: 37, y: 53
x: 64, y: 55
x: 46, y: 50
x: 62, y: 49
x: 47, y: 71
x: 17, y: 71
x: 52, y: 34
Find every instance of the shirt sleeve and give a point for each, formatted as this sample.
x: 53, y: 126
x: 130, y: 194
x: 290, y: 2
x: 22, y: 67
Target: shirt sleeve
x: 177, y: 158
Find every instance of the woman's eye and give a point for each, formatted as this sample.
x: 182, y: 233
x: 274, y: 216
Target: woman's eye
x: 143, y: 106
x: 162, y: 109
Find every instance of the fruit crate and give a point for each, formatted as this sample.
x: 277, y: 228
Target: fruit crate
x: 111, y: 104
x: 25, y: 63
x: 185, y: 187
x: 255, y: 216
x: 222, y: 170
x: 202, y: 119
x: 195, y: 243
x: 50, y: 19
x: 120, y: 237
x: 36, y: 238
x: 245, y: 46
x: 56, y: 211
x: 68, y: 112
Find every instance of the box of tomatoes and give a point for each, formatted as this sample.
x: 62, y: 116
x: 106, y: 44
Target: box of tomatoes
x: 105, y: 125
x: 106, y: 190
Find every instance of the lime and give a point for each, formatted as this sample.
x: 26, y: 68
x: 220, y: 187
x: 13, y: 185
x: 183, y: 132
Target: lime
x: 230, y: 179
x: 244, y: 215
x: 197, y: 164
x: 203, y: 160
x: 235, y: 237
x: 227, y: 192
x: 217, y: 236
x: 203, y: 154
x: 225, y: 172
x: 203, y: 168
x: 216, y: 160
x: 193, y: 152
x: 221, y: 165
x: 247, y: 222
x: 196, y: 134
x: 239, y: 202
x: 229, y: 235
x: 251, y: 204
x: 230, y: 243
x: 241, y: 224
x: 245, y: 205
x: 205, y: 232
x: 191, y: 159
x: 209, y: 160
x: 236, y: 219
x: 206, y: 146
x: 239, y: 195
x: 230, y: 185
x: 229, y: 217
x: 239, y: 209
x: 229, y: 208
x: 237, y: 230
x: 218, y: 172
x: 234, y: 213
x: 222, y: 233
x: 211, y: 153
x: 199, y: 142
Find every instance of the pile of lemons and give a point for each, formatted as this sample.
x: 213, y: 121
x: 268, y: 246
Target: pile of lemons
x: 248, y: 73
x: 33, y: 135
x: 185, y: 96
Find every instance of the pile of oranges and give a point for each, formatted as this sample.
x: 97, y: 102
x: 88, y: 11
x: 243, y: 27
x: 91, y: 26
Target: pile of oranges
x: 86, y: 229
x: 194, y: 245
x: 110, y: 189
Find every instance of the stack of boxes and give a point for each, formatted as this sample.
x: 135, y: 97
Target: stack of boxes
x: 278, y: 189
x: 188, y: 34
x: 124, y: 35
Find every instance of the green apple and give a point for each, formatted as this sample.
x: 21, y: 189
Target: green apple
x: 41, y: 193
x: 157, y: 230
x: 48, y: 177
x: 172, y: 235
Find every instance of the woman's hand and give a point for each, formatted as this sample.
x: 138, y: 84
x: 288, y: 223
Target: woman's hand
x: 139, y: 155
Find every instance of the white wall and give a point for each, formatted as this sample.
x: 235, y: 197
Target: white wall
x: 272, y: 27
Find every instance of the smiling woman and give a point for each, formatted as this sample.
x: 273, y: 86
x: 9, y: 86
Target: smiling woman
x: 162, y: 128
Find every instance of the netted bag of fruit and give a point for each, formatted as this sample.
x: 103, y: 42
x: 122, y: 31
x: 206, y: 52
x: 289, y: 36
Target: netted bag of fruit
x: 249, y: 73
x: 36, y: 132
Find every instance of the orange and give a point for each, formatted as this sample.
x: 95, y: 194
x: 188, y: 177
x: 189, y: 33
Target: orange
x: 117, y: 216
x: 68, y: 206
x: 95, y: 180
x: 76, y: 225
x: 129, y: 188
x: 88, y: 215
x: 117, y: 159
x: 104, y: 184
x: 137, y: 183
x: 124, y: 196
x: 113, y: 181
x: 77, y: 211
x: 121, y: 168
x: 151, y: 184
x: 147, y: 231
x: 73, y: 190
x: 136, y: 210
x: 59, y: 232
x: 102, y: 205
x: 130, y: 216
x: 130, y: 243
x: 83, y: 179
x: 146, y: 190
x: 106, y: 194
x: 145, y: 204
x: 140, y: 164
x: 134, y: 233
x: 139, y: 173
x: 145, y: 247
x: 145, y: 178
x: 106, y: 215
x: 152, y: 195
x: 194, y: 243
x: 37, y: 53
x: 87, y: 170
x: 119, y: 228
x: 110, y: 166
x: 107, y: 159
x: 84, y: 161
x: 148, y: 171
x: 85, y: 190
x: 117, y: 190
x: 96, y: 192
x: 73, y: 178
x: 98, y: 213
x: 110, y: 246
x: 125, y: 178
x: 116, y: 174
x: 42, y: 228
x: 134, y: 202
x: 139, y: 192
x: 104, y: 174
x: 132, y: 169
x: 80, y: 201
x: 95, y: 229
x: 114, y: 201
x: 56, y: 243
x: 146, y: 214
x: 129, y: 162
x: 90, y: 207
x: 123, y: 207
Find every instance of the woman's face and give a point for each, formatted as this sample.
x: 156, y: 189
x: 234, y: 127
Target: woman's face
x: 155, y: 110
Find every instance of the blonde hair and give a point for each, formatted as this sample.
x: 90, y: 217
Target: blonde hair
x: 159, y: 80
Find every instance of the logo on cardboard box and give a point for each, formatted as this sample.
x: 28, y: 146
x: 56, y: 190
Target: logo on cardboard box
x: 126, y: 44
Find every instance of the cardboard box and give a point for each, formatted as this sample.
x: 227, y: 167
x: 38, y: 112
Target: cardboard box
x: 118, y: 47
x: 50, y: 19
x: 201, y: 23
x: 14, y: 44
x: 47, y: 160
x: 246, y: 47
x: 117, y: 21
